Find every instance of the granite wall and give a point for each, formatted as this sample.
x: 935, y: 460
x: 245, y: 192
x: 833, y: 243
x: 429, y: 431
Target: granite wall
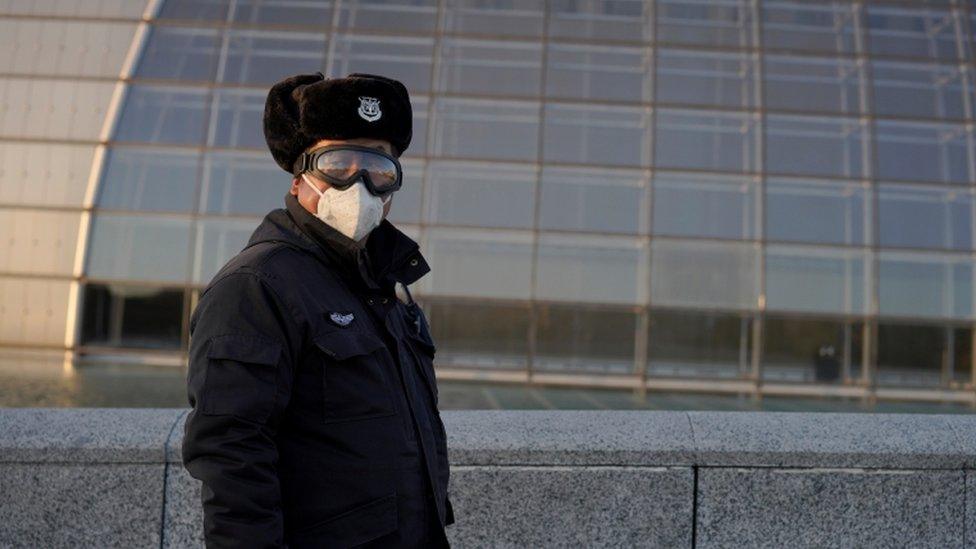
x: 103, y: 477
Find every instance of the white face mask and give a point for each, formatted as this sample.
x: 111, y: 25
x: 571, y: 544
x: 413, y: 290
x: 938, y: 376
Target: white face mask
x: 353, y: 211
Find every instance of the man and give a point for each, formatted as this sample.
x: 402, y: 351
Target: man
x: 315, y: 420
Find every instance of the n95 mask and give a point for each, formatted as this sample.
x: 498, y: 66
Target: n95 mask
x: 353, y: 211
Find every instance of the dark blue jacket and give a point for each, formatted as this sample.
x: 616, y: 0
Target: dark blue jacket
x: 315, y: 420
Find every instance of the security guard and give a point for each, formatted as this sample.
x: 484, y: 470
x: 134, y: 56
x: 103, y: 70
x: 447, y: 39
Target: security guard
x: 315, y: 419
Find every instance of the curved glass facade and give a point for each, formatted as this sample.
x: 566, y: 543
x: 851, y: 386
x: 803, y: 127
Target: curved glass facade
x: 769, y: 196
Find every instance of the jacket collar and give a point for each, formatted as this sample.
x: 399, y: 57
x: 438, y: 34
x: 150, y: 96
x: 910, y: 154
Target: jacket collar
x: 387, y: 256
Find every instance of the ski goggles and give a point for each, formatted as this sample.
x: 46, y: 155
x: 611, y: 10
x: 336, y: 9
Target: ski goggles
x: 342, y: 165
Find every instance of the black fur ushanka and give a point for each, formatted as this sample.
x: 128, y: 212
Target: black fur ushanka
x: 305, y: 108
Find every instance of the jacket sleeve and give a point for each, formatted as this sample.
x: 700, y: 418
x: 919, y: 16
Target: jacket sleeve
x: 238, y: 383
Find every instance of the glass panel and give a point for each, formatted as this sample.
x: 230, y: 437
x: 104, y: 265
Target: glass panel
x: 240, y: 118
x: 477, y: 263
x: 406, y: 59
x: 179, y: 54
x: 20, y: 162
x: 707, y: 140
x: 718, y: 23
x: 283, y: 12
x: 38, y: 242
x: 480, y: 335
x: 69, y: 48
x: 219, y: 240
x: 419, y: 16
x: 917, y: 216
x: 817, y: 279
x: 707, y: 78
x: 418, y: 142
x: 911, y: 89
x: 406, y: 201
x: 592, y: 269
x: 92, y: 8
x: 163, y: 115
x: 486, y: 129
x: 258, y: 57
x: 602, y: 19
x: 961, y: 352
x: 595, y: 134
x: 722, y: 206
x: 149, y: 180
x: 490, y: 67
x: 118, y: 315
x: 139, y: 247
x: 813, y: 84
x: 810, y: 26
x: 925, y: 152
x: 925, y: 285
x: 911, y: 354
x: 588, y: 199
x: 53, y: 109
x: 912, y: 32
x: 208, y: 10
x: 799, y: 350
x: 486, y: 195
x: 494, y: 17
x: 693, y: 344
x: 242, y: 183
x: 812, y: 210
x: 705, y: 274
x: 604, y: 73
x: 816, y: 146
x: 570, y: 339
x: 34, y: 311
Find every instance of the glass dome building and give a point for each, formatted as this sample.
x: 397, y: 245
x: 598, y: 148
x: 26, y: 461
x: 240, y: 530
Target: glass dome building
x: 763, y: 197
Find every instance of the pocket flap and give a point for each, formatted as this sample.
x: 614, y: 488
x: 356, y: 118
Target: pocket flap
x: 344, y: 343
x: 245, y: 348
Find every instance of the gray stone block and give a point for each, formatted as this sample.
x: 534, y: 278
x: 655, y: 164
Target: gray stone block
x: 964, y: 427
x: 85, y: 435
x: 740, y: 507
x: 560, y: 506
x: 183, y: 516
x: 970, y: 525
x: 580, y: 437
x: 829, y: 439
x: 69, y: 505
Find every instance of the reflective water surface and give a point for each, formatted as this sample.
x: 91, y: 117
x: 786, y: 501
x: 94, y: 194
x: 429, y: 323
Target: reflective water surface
x: 29, y: 379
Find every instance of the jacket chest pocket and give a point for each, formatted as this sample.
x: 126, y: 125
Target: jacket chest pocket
x: 241, y: 377
x: 354, y: 381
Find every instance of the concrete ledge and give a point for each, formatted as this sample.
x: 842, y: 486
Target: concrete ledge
x: 113, y: 477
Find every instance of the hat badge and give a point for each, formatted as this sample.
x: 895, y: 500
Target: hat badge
x: 369, y: 108
x: 341, y: 319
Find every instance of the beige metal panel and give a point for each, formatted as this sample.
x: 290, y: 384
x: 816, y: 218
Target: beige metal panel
x: 41, y: 174
x: 53, y: 109
x: 64, y: 48
x: 126, y: 9
x: 38, y: 241
x: 33, y: 311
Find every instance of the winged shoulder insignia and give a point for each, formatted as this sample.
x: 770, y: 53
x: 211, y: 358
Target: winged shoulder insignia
x: 341, y: 319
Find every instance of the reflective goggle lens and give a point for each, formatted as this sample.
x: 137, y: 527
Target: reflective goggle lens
x: 344, y: 163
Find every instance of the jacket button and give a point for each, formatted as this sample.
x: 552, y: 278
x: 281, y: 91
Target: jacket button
x: 385, y: 300
x: 413, y: 262
x: 370, y: 301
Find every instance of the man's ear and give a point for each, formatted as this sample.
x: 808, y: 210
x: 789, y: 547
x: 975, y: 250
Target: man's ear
x: 295, y: 182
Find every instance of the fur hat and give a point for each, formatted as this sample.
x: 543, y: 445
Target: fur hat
x: 302, y: 109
